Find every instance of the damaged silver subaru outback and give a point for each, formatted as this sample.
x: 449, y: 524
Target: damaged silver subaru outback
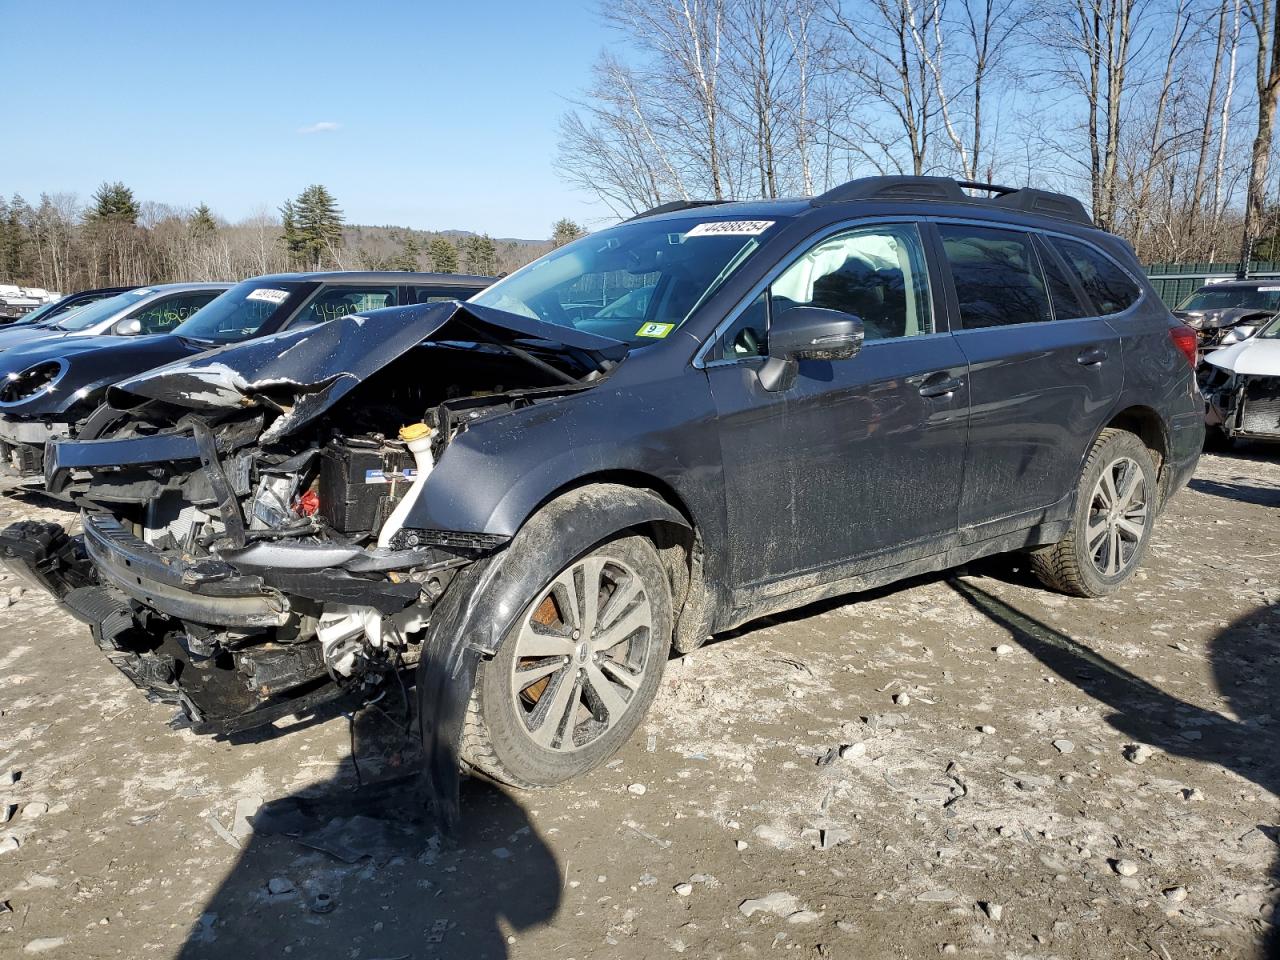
x: 660, y: 431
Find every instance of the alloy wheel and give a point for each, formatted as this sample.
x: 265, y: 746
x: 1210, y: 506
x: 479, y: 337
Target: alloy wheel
x: 581, y: 654
x: 1118, y: 517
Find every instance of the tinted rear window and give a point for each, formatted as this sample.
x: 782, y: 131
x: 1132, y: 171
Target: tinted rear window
x: 997, y: 276
x: 1106, y: 284
x: 1066, y: 305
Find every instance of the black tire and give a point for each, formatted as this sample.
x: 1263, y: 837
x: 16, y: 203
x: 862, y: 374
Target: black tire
x: 496, y: 739
x: 1069, y: 565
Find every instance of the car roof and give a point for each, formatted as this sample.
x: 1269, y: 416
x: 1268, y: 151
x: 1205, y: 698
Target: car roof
x: 178, y: 287
x: 383, y: 276
x: 903, y: 194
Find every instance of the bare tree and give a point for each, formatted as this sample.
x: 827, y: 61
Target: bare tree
x: 1262, y: 16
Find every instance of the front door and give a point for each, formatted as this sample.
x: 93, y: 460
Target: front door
x: 858, y: 463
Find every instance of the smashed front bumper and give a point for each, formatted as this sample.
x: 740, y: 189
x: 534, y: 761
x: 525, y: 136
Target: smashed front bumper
x: 22, y: 446
x: 1246, y: 407
x: 218, y: 637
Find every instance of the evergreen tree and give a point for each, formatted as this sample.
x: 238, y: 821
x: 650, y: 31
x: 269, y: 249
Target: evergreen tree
x: 318, y: 224
x: 565, y: 231
x: 443, y: 255
x: 407, y: 259
x: 114, y: 203
x: 202, y: 223
x: 481, y: 255
x: 16, y: 233
x: 289, y: 235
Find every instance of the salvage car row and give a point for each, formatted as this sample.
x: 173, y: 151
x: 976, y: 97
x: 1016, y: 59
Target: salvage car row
x: 708, y: 413
x: 56, y: 367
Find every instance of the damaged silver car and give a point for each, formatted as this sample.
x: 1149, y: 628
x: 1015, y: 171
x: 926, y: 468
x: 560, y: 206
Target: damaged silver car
x: 1243, y: 387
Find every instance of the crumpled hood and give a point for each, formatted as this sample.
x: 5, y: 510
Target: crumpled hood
x: 91, y: 364
x: 316, y: 366
x: 1250, y: 358
x: 1217, y: 319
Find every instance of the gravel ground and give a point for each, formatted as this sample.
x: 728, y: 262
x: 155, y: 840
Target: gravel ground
x: 963, y: 764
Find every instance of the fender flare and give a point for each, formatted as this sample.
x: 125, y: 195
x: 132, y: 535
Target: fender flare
x: 481, y: 606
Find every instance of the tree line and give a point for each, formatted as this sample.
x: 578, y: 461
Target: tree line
x: 115, y: 239
x: 1160, y: 114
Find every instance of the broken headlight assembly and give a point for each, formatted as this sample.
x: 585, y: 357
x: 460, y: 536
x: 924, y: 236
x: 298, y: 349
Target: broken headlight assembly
x: 43, y: 377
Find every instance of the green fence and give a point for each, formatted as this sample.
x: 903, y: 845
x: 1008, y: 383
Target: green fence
x: 1176, y: 281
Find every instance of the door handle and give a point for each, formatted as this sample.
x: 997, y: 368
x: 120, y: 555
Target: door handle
x: 940, y: 385
x: 1091, y: 357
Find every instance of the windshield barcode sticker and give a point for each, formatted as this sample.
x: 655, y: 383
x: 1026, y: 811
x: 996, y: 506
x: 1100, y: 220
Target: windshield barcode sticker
x: 269, y: 295
x: 730, y: 228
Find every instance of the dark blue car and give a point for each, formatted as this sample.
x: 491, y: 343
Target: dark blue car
x: 703, y: 415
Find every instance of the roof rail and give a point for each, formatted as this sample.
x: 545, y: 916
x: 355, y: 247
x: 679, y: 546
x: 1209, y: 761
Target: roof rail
x: 672, y: 206
x: 1025, y: 199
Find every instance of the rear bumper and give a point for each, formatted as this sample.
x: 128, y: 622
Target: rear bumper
x: 1186, y: 442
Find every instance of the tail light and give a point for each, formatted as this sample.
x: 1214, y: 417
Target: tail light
x: 1184, y: 338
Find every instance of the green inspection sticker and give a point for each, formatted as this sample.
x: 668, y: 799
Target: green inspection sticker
x: 656, y: 330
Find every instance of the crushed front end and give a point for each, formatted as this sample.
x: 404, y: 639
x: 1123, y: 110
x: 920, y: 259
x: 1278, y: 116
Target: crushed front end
x: 238, y: 584
x: 248, y: 550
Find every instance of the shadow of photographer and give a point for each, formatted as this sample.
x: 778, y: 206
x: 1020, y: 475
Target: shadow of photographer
x: 362, y: 871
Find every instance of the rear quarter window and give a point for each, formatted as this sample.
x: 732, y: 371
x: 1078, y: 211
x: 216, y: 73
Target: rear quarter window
x: 1107, y: 285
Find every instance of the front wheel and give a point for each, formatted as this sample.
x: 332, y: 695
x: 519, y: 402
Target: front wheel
x: 572, y: 681
x: 1111, y: 526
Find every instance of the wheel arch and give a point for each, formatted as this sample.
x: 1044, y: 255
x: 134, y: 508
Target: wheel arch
x: 1149, y: 427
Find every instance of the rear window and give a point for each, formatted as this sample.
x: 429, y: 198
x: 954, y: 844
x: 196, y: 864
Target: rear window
x: 1106, y: 284
x: 1066, y: 305
x: 997, y: 276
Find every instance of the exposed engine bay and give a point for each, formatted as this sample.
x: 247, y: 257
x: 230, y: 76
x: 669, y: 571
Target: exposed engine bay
x: 248, y: 548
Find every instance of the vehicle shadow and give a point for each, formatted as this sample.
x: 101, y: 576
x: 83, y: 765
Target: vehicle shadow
x: 1245, y: 659
x: 362, y: 871
x: 1241, y: 492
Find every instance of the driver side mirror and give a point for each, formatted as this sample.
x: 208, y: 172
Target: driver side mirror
x: 128, y: 327
x: 808, y: 333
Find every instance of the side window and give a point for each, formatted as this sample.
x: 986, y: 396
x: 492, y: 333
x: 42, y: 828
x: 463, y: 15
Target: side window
x: 165, y: 314
x: 1066, y: 305
x: 1107, y: 285
x: 875, y: 273
x: 997, y: 276
x: 434, y: 295
x: 334, y: 302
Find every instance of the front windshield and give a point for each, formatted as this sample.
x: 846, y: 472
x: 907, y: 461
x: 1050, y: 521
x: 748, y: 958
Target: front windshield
x: 1271, y: 331
x: 1230, y: 298
x: 636, y: 282
x: 36, y: 315
x: 240, y: 312
x: 86, y: 317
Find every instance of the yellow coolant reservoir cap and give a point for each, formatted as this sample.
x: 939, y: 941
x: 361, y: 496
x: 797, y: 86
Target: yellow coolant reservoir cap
x: 414, y: 431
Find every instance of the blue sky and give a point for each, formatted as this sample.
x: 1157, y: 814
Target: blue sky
x: 427, y: 114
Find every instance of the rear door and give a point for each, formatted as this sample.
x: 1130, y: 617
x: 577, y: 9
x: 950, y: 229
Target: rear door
x: 1044, y: 375
x: 858, y: 464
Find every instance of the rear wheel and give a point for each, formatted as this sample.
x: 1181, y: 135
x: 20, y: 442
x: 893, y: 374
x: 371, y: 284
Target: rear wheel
x: 1111, y: 526
x: 572, y: 681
